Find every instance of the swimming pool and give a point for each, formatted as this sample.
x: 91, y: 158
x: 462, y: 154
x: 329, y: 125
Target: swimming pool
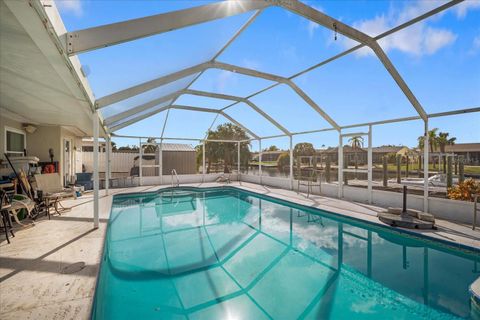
x: 224, y: 253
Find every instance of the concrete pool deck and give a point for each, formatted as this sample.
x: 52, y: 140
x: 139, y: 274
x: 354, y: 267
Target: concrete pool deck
x: 33, y: 282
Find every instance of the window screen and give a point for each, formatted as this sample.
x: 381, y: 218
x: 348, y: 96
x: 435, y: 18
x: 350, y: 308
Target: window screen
x: 15, y: 142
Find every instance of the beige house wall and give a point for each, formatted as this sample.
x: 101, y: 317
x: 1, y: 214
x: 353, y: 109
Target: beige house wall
x: 43, y: 139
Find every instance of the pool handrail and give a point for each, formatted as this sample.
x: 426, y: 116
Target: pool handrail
x: 174, y: 172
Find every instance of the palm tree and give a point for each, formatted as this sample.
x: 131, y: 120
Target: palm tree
x: 432, y: 141
x: 443, y: 141
x: 356, y: 143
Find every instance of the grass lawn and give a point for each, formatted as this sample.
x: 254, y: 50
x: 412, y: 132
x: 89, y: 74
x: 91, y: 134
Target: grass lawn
x: 264, y: 163
x: 472, y: 169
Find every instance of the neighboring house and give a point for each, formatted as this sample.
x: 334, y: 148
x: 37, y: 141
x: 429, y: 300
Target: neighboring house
x: 348, y: 154
x: 379, y: 152
x: 362, y: 153
x: 470, y: 152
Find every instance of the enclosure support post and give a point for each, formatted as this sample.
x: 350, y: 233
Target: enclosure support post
x: 425, y: 168
x: 107, y: 164
x: 95, y: 171
x: 370, y: 164
x: 260, y: 159
x: 238, y: 161
x: 161, y: 161
x: 291, y: 163
x: 204, y: 169
x: 140, y: 156
x: 340, y: 165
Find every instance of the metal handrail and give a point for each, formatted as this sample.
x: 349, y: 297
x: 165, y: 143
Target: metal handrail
x: 174, y: 172
x: 475, y: 209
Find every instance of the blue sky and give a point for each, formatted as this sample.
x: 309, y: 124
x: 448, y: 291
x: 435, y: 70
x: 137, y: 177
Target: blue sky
x: 439, y: 59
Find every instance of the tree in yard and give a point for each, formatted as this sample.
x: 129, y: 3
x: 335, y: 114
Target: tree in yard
x: 303, y: 149
x: 443, y: 140
x: 128, y: 147
x: 283, y: 162
x: 432, y: 141
x: 150, y: 148
x: 356, y: 143
x: 271, y: 148
x: 225, y: 151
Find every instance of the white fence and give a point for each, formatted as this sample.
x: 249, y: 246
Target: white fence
x: 454, y: 210
x: 460, y: 211
x: 121, y: 163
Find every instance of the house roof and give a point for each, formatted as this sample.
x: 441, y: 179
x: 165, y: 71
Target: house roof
x: 387, y: 149
x: 346, y: 148
x: 39, y: 84
x: 463, y: 147
x: 279, y: 152
x: 177, y: 147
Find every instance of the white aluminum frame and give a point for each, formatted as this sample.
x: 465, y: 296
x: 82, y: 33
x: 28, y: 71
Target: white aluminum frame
x: 102, y: 36
x: 111, y: 34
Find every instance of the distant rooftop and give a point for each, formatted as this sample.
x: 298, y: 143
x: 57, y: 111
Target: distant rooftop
x: 463, y: 147
x: 177, y: 147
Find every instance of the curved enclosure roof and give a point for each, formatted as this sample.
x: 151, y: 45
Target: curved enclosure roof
x: 273, y: 67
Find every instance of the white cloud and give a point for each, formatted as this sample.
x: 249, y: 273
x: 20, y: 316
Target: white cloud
x: 418, y: 39
x: 225, y: 80
x: 251, y: 64
x: 476, y: 42
x: 313, y: 26
x: 73, y: 6
x: 462, y: 8
x: 475, y: 45
x: 437, y: 38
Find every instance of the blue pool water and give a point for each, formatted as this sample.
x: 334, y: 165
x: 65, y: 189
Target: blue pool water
x: 229, y: 254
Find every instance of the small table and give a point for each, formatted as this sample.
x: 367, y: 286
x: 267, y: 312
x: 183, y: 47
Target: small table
x: 53, y: 200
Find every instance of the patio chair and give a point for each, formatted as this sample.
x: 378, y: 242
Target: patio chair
x: 52, y: 191
x: 134, y: 172
x: 6, y: 222
x: 85, y: 179
x: 225, y: 178
x: 22, y: 202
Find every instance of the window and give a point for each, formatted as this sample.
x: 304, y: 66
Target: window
x: 15, y: 141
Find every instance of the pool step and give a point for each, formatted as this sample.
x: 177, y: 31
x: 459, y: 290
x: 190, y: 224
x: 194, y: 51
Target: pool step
x: 425, y: 216
x: 404, y: 221
x: 475, y: 305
